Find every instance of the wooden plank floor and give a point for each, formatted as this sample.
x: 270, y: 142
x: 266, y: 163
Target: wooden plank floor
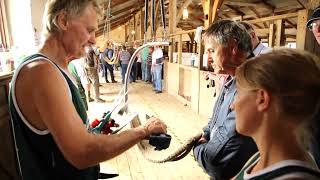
x: 182, y: 124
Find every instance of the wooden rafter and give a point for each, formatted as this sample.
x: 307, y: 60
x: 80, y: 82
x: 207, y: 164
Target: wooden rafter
x: 268, y: 5
x: 301, y: 4
x: 258, y: 15
x: 238, y: 12
x: 272, y: 18
x: 214, y: 10
x: 246, y: 4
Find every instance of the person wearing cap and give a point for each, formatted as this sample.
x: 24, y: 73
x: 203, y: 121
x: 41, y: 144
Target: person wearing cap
x: 313, y: 24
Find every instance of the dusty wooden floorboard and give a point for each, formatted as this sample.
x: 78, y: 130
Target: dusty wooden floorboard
x: 182, y: 124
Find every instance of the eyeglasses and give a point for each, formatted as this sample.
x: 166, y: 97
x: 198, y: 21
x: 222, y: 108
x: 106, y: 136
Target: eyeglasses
x: 314, y: 25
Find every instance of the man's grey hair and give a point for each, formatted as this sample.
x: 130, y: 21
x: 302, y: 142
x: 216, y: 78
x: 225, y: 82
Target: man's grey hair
x: 247, y: 26
x: 222, y: 31
x: 72, y: 8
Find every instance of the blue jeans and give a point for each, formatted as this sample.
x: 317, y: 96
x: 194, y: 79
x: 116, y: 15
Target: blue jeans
x: 157, y: 78
x: 149, y: 78
x: 133, y: 73
x: 108, y: 67
x: 124, y: 68
x: 144, y: 70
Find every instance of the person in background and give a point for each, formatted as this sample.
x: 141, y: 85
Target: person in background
x: 133, y: 73
x: 124, y: 57
x: 222, y: 151
x: 139, y: 70
x: 91, y: 68
x: 276, y: 109
x: 149, y: 64
x: 144, y: 66
x: 258, y: 47
x: 156, y: 68
x: 47, y: 113
x: 313, y: 25
x: 76, y: 68
x: 107, y: 56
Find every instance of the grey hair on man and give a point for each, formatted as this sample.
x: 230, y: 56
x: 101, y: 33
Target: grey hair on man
x: 72, y: 8
x: 222, y: 31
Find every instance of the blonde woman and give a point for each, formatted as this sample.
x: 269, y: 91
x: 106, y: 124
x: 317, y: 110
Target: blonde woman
x: 278, y: 94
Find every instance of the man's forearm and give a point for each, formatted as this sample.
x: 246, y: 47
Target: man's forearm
x: 205, y: 154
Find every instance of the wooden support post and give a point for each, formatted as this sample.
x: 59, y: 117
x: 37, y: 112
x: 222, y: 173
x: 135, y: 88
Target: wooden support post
x: 171, y: 49
x: 180, y: 49
x: 271, y: 35
x: 301, y: 29
x: 172, y: 25
x: 280, y: 36
x: 200, y: 51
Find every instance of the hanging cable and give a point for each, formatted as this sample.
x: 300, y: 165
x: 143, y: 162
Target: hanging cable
x: 146, y: 4
x: 163, y: 19
x: 153, y: 18
x: 107, y: 26
x: 109, y: 16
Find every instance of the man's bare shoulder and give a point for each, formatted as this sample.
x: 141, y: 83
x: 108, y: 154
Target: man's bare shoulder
x: 38, y: 69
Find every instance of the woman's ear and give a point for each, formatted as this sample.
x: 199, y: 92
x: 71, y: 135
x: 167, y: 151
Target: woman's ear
x: 62, y: 20
x: 263, y: 100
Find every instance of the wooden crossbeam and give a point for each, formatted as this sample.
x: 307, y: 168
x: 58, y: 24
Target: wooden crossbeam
x: 238, y: 12
x: 246, y: 4
x: 258, y: 15
x: 272, y: 18
x: 301, y: 4
x: 125, y: 5
x: 268, y: 5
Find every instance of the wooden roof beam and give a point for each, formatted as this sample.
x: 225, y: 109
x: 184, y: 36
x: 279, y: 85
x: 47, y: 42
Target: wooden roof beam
x: 268, y: 5
x: 132, y: 11
x: 258, y: 15
x: 125, y: 5
x: 272, y: 18
x: 238, y: 12
x: 301, y: 4
x: 246, y: 4
x: 257, y: 25
x: 214, y: 10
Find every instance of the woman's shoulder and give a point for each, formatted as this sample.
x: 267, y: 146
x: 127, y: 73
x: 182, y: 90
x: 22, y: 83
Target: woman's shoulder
x: 287, y: 169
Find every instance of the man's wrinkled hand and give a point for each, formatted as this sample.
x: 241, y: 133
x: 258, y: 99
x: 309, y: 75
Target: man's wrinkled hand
x: 154, y: 126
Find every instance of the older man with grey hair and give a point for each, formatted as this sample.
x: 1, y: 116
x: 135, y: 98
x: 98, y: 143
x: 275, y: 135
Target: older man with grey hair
x: 257, y: 46
x: 221, y: 151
